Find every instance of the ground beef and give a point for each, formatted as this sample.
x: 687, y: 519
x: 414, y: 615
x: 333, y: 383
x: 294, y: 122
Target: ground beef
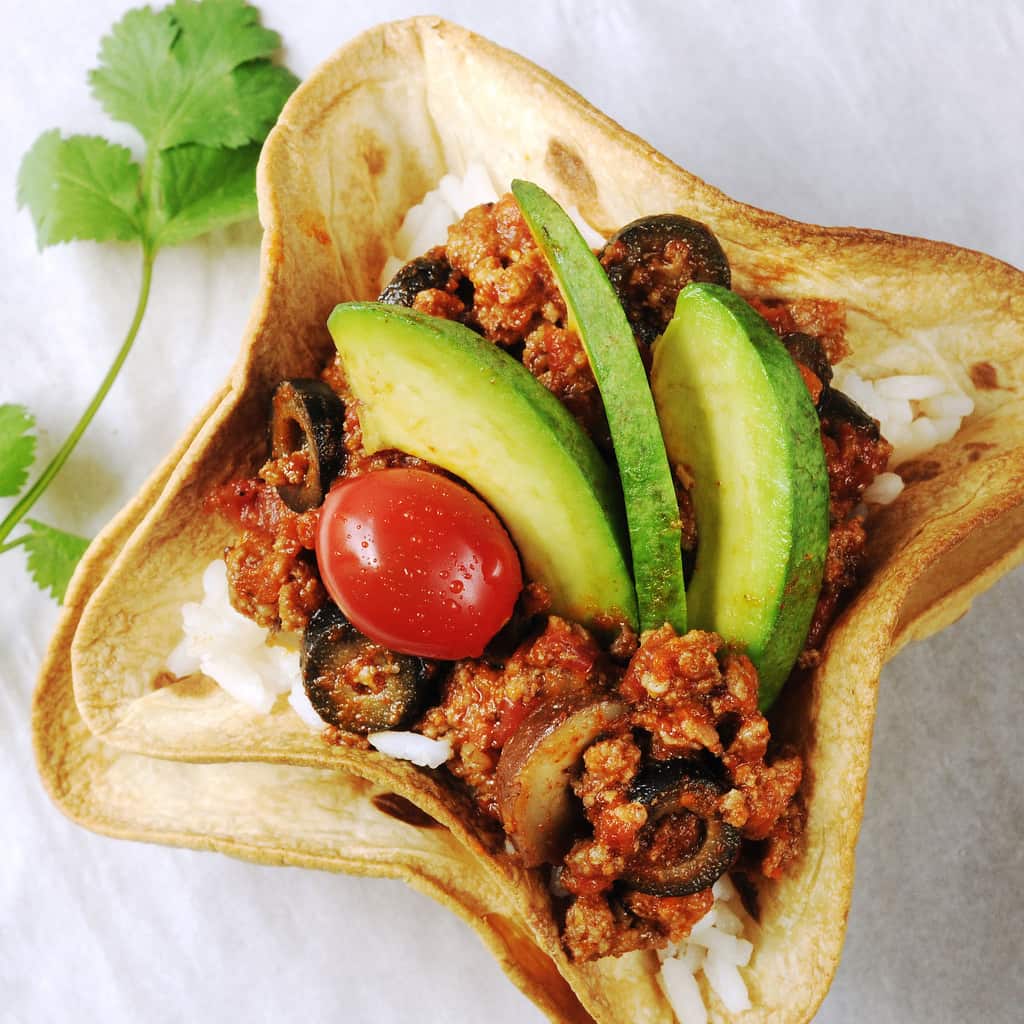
x: 482, y: 705
x: 690, y: 698
x: 272, y: 577
x: 784, y: 841
x: 854, y: 455
x: 513, y: 288
x: 555, y: 356
x: 824, y: 319
x: 515, y: 302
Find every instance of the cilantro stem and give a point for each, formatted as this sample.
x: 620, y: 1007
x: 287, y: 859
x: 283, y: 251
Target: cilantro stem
x: 13, y: 544
x: 32, y: 495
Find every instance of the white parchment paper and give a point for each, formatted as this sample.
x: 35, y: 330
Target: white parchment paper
x: 903, y: 116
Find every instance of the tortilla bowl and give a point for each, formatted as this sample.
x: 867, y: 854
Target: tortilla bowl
x: 369, y: 133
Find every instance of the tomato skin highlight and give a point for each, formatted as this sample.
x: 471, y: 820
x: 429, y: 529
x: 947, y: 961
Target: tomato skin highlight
x: 417, y: 562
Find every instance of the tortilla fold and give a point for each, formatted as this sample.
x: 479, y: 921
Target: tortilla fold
x: 361, y: 141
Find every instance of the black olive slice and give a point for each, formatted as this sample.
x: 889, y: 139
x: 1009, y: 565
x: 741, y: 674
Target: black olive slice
x: 838, y: 407
x: 414, y: 277
x: 680, y: 795
x: 307, y: 418
x: 809, y: 351
x: 652, y: 259
x: 356, y: 684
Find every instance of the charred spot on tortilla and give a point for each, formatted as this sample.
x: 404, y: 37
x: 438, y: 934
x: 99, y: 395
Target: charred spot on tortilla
x: 373, y: 152
x: 984, y: 376
x: 976, y: 449
x: 398, y: 807
x: 564, y: 162
x: 920, y: 469
x: 314, y: 225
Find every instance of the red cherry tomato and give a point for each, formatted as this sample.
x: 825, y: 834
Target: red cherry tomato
x: 417, y: 562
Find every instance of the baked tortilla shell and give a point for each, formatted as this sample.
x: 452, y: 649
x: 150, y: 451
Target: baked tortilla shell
x: 248, y: 810
x: 370, y: 132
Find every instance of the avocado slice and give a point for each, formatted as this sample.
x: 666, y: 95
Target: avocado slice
x: 652, y: 511
x: 737, y: 416
x: 434, y: 389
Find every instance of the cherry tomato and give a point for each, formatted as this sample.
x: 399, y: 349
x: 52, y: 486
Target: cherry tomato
x: 417, y: 562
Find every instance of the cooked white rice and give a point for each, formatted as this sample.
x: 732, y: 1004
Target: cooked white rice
x: 411, y: 746
x: 916, y: 412
x: 233, y: 650
x: 716, y: 949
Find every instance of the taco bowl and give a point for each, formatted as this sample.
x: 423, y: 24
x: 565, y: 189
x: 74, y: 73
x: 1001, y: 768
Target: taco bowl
x: 350, y: 155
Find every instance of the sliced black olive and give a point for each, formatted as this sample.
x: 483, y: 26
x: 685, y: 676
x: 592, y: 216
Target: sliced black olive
x: 838, y: 407
x: 414, y: 277
x: 652, y: 259
x: 356, y: 684
x: 809, y: 351
x: 307, y: 418
x: 680, y: 795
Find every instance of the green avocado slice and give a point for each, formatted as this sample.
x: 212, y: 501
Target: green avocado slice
x: 434, y: 389
x: 652, y: 511
x: 736, y: 415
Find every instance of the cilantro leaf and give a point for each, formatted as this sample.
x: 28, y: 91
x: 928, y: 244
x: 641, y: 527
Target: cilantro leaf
x: 80, y: 187
x: 170, y: 73
x: 204, y: 188
x: 137, y: 74
x: 262, y: 89
x: 17, y: 448
x: 52, y: 556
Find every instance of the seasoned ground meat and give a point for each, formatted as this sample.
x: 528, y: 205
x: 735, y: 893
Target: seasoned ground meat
x: 515, y: 303
x: 854, y: 457
x: 513, y: 288
x: 481, y: 705
x: 272, y: 577
x: 846, y: 544
x: 690, y: 698
x: 555, y: 356
x: 824, y: 319
x: 785, y: 840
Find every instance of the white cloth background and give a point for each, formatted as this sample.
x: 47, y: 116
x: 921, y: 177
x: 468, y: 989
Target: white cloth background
x: 901, y: 116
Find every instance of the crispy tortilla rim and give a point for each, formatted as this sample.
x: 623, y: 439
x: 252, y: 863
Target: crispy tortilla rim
x: 370, y: 132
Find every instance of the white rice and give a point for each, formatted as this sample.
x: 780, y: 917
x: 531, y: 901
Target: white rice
x: 411, y: 746
x: 715, y: 949
x: 916, y: 412
x: 231, y: 649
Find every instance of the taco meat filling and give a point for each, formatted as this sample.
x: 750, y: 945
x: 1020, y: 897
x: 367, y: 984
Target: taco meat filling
x: 669, y: 769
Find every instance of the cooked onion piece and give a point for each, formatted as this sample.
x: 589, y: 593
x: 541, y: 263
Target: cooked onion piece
x: 534, y: 773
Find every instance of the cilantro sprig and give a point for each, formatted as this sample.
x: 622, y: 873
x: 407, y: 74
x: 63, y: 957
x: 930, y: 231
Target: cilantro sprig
x: 197, y: 82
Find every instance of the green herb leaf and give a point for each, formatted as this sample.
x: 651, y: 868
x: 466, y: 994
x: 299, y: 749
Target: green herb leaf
x: 80, y: 187
x: 195, y: 80
x: 203, y: 188
x: 17, y: 448
x: 52, y: 556
x: 171, y: 73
